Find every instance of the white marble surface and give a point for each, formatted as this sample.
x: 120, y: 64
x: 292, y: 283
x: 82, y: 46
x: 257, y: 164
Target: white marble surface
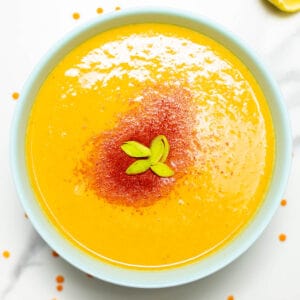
x: 270, y: 270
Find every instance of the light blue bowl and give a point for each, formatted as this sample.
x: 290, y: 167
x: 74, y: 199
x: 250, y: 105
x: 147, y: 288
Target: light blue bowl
x: 191, y: 272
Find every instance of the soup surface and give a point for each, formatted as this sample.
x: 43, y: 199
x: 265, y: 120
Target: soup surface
x: 132, y: 84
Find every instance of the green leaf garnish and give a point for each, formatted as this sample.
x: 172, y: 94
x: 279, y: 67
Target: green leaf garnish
x: 162, y: 170
x: 157, y: 149
x: 135, y: 149
x: 156, y: 156
x: 138, y: 167
x: 166, y: 148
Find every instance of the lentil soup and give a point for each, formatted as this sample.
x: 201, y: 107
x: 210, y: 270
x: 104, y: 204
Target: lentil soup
x: 136, y: 83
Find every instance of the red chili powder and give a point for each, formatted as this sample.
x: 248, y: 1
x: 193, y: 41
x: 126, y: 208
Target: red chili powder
x: 163, y: 110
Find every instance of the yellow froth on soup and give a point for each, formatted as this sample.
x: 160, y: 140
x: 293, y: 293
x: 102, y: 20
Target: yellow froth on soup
x: 136, y: 82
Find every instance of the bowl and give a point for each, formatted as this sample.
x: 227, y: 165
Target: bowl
x: 186, y: 273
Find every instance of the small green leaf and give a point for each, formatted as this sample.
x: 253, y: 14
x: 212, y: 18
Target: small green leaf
x: 138, y: 167
x: 166, y: 148
x: 156, y: 156
x: 135, y: 149
x: 157, y: 149
x: 162, y: 170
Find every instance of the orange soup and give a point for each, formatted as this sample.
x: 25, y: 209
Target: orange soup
x: 100, y: 112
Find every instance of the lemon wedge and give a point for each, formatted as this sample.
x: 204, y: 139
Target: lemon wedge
x: 287, y: 5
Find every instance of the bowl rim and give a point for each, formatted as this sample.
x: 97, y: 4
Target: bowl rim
x: 183, y: 274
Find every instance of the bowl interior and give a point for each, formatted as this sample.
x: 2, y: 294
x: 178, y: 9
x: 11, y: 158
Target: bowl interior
x: 188, y: 273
